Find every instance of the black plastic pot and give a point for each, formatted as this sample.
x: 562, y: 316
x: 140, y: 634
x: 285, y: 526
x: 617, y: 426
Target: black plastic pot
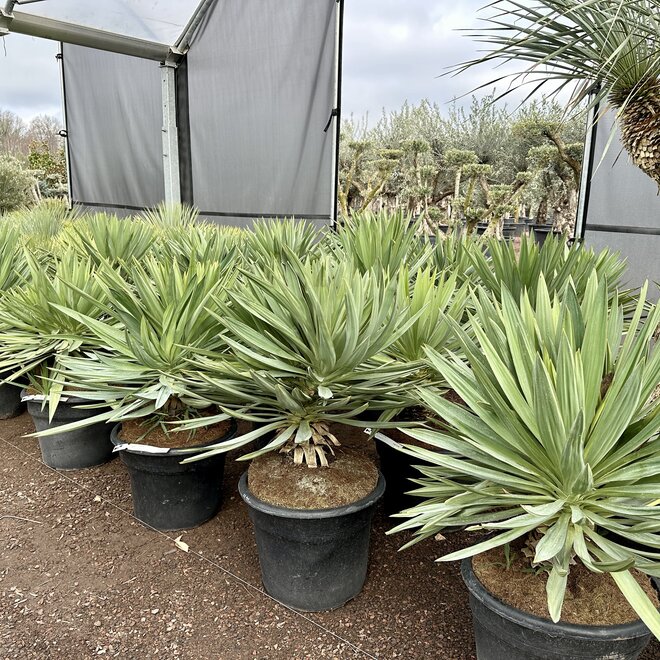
x: 71, y: 450
x: 312, y: 560
x: 503, y: 632
x: 10, y: 401
x: 397, y: 468
x: 168, y: 495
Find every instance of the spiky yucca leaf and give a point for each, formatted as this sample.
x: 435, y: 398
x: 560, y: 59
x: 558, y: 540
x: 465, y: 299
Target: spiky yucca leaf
x: 559, y: 437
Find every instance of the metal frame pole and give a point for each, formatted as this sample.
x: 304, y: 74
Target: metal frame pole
x: 65, y: 133
x: 587, y: 173
x: 339, y: 48
x: 170, y: 134
x: 48, y: 28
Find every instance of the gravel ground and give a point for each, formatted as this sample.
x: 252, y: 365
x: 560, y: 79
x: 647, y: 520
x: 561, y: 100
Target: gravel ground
x: 81, y: 578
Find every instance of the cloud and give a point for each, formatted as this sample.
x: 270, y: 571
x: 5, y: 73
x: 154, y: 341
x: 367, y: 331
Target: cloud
x: 395, y: 51
x: 29, y: 76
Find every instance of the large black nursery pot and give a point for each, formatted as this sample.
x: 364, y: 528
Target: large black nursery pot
x: 71, y: 450
x: 503, y: 632
x: 169, y: 495
x: 398, y: 469
x: 312, y: 560
x: 11, y: 404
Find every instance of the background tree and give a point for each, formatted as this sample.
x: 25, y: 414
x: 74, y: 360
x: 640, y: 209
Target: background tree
x: 17, y: 185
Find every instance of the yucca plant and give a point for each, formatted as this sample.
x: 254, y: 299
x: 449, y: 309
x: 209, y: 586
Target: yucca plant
x: 13, y: 261
x: 452, y: 253
x: 201, y: 243
x: 559, y: 440
x: 41, y: 224
x: 428, y: 300
x: 380, y: 242
x: 36, y: 333
x: 107, y: 238
x: 610, y: 48
x: 147, y: 345
x: 555, y: 263
x: 275, y: 239
x: 166, y: 216
x: 308, y: 340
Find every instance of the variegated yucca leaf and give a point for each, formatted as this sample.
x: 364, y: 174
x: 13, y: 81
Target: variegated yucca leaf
x: 558, y: 436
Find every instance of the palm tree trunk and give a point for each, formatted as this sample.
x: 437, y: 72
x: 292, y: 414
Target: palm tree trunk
x: 639, y: 122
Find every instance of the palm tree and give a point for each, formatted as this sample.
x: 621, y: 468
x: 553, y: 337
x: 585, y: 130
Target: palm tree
x: 608, y: 48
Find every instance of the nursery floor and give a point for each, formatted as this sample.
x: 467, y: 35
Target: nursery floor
x: 81, y: 578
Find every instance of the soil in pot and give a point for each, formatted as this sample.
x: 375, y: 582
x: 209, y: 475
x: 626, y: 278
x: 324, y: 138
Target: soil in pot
x: 168, y: 495
x: 591, y: 599
x: 596, y: 620
x: 275, y: 479
x: 71, y: 450
x: 313, y: 559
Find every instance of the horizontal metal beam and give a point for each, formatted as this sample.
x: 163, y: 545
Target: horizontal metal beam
x: 48, y: 28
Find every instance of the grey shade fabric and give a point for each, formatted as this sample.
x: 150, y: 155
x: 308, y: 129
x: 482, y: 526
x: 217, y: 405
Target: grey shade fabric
x: 622, y: 197
x: 114, y: 119
x: 261, y: 85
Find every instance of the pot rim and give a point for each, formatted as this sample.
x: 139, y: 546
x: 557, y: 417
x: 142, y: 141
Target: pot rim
x: 64, y: 401
x: 308, y: 514
x: 547, y: 626
x: 114, y: 437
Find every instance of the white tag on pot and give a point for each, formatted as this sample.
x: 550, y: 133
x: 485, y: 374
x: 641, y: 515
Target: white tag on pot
x: 144, y: 449
x: 40, y: 397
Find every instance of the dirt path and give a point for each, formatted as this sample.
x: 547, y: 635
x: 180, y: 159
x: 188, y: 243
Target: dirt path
x: 81, y: 578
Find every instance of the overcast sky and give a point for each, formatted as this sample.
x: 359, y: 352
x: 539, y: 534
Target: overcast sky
x: 394, y: 50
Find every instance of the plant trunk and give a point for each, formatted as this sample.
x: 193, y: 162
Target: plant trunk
x: 640, y: 133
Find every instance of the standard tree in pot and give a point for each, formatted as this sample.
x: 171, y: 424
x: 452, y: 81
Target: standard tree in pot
x: 556, y: 456
x: 308, y: 338
x: 146, y: 348
x: 37, y: 335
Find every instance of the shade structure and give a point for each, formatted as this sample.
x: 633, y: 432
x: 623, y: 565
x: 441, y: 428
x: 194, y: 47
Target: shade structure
x: 620, y: 206
x: 229, y: 105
